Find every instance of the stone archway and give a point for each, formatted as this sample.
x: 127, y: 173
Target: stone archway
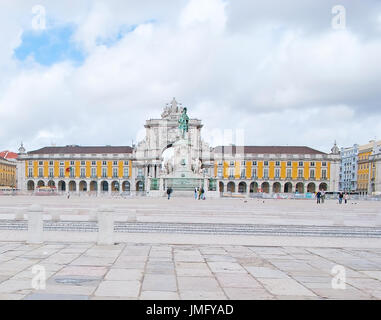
x: 277, y: 187
x: 311, y: 187
x: 323, y: 186
x: 221, y: 186
x: 83, y: 186
x: 288, y: 187
x: 93, y: 186
x: 300, y: 187
x: 41, y: 184
x: 115, y: 186
x: 242, y: 187
x: 265, y: 187
x: 231, y: 187
x: 126, y: 186
x: 140, y: 186
x: 62, y: 185
x: 51, y: 184
x: 30, y: 185
x: 104, y: 186
x: 72, y: 186
x: 254, y: 187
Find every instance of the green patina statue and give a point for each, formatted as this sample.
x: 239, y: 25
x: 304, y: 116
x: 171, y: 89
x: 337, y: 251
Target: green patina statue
x: 183, y: 122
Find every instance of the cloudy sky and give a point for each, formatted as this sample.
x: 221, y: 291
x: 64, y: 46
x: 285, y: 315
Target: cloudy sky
x: 276, y: 69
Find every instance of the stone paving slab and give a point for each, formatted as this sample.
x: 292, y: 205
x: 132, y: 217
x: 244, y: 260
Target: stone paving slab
x: 127, y: 271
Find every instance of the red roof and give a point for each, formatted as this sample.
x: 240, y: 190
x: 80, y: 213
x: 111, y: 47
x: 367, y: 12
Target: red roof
x: 8, y: 155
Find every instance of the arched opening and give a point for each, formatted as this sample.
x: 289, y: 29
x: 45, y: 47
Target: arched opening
x: 242, y: 187
x: 300, y: 187
x: 323, y: 187
x: 168, y: 160
x: 41, y: 184
x: 140, y: 186
x: 253, y: 187
x: 61, y: 186
x: 30, y: 185
x: 83, y: 186
x: 311, y: 187
x: 126, y: 186
x: 288, y: 187
x: 277, y: 187
x: 221, y: 186
x: 104, y: 186
x: 51, y: 184
x: 72, y: 186
x: 231, y: 187
x: 265, y: 187
x: 115, y: 186
x: 93, y: 186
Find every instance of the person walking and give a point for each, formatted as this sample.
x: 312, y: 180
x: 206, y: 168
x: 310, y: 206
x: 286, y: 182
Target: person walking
x: 341, y: 196
x: 202, y: 194
x: 318, y: 197
x: 322, y: 196
x: 195, y: 193
x: 346, y: 198
x: 199, y: 193
x: 169, y: 191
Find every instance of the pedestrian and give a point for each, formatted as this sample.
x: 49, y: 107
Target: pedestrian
x: 169, y: 191
x: 199, y: 193
x: 346, y: 198
x: 322, y: 196
x: 195, y: 193
x: 318, y: 196
x: 341, y: 196
x: 202, y: 194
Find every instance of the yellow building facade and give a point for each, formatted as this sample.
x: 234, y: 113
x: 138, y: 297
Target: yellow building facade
x: 365, y: 172
x: 7, y: 173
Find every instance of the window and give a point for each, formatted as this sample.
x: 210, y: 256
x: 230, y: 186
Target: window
x: 140, y: 172
x: 62, y: 174
x: 289, y: 173
x: 219, y: 163
x: 312, y: 164
x: 254, y: 163
x: 277, y: 163
x: 243, y: 163
x: 312, y: 173
x: 126, y: 163
x: 232, y: 163
x: 51, y: 172
x: 83, y: 163
x: 50, y: 163
x: 83, y: 172
x: 266, y: 163
x: 40, y: 163
x: 277, y: 173
x: 115, y: 172
x: 243, y: 173
x: 93, y: 172
x: 93, y: 163
x: 324, y: 164
x: 231, y: 172
x: 301, y: 164
x: 72, y: 163
x: 288, y: 163
x: 62, y: 163
x: 104, y: 172
x: 219, y: 172
x: 266, y: 173
x: 40, y: 172
x: 30, y: 172
x: 104, y: 163
x: 300, y: 173
x: 254, y: 174
x: 30, y: 163
x: 125, y: 172
x: 115, y: 163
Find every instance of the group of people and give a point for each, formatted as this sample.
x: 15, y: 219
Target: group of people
x: 320, y: 196
x: 199, y: 193
x: 343, y: 196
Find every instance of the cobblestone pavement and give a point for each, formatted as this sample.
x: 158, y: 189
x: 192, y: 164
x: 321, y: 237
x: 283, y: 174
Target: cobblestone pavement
x: 133, y: 271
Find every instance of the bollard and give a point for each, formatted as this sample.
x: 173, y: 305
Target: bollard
x: 19, y: 214
x: 131, y: 217
x: 106, y: 226
x: 35, y: 224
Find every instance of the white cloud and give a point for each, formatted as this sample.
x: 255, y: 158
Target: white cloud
x: 282, y: 81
